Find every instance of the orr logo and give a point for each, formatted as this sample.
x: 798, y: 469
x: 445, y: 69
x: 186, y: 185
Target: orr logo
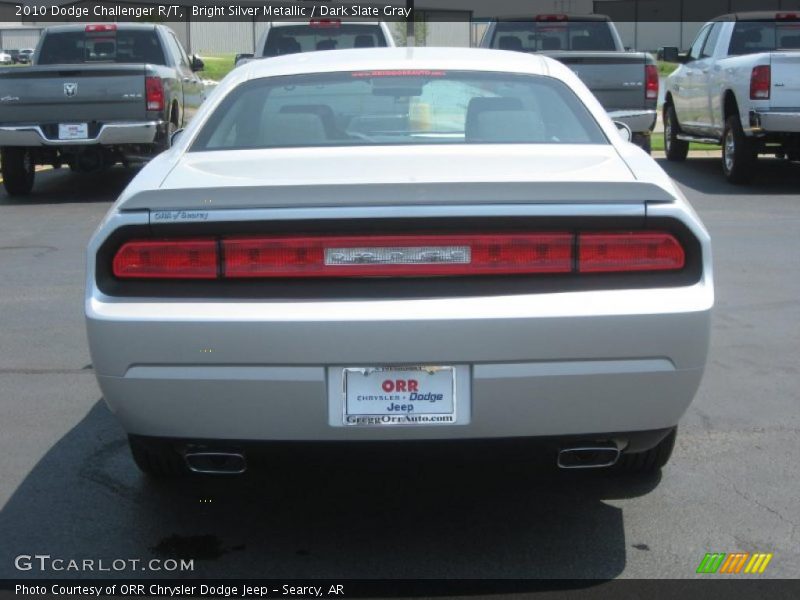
x: 400, y: 385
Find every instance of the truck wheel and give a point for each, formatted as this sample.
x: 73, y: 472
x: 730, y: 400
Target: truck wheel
x: 19, y: 171
x: 649, y: 461
x: 156, y: 458
x: 676, y: 150
x: 738, y: 154
x: 643, y: 141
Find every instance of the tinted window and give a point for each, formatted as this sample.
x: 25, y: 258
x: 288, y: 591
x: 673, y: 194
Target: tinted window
x: 398, y: 107
x: 132, y: 46
x: 326, y: 36
x: 556, y: 35
x: 711, y: 42
x: 750, y: 37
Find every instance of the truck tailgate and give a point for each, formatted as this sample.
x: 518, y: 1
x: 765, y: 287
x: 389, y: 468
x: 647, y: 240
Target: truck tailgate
x: 617, y: 79
x: 785, y: 79
x: 70, y: 93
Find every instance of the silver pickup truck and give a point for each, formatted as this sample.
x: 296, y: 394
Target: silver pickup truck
x: 625, y: 82
x: 97, y: 95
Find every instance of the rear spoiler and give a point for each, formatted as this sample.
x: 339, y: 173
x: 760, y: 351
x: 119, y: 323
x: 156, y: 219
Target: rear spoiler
x: 398, y: 194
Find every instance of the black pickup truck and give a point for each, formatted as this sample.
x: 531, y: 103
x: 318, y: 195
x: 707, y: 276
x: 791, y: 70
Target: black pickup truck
x: 97, y: 95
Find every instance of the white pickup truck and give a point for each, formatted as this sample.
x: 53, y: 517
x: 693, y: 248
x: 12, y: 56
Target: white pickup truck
x: 738, y: 87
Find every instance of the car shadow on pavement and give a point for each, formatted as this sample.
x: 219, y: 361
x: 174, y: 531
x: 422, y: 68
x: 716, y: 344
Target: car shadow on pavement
x: 62, y: 186
x: 367, y: 514
x: 772, y: 176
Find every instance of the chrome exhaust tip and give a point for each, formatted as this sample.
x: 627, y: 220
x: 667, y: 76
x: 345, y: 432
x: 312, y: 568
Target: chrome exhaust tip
x: 209, y: 462
x: 588, y: 457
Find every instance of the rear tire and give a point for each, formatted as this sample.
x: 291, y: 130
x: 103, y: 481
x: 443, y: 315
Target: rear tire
x: 738, y: 154
x: 156, y: 458
x: 19, y: 170
x: 643, y: 141
x: 675, y: 149
x: 649, y: 461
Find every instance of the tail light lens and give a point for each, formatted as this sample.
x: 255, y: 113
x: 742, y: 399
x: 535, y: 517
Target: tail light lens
x: 101, y: 28
x: 651, y: 82
x: 634, y: 251
x: 760, y: 82
x: 167, y: 259
x: 428, y: 255
x: 154, y: 93
x: 398, y: 256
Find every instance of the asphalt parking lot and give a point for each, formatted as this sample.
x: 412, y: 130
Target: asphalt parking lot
x: 68, y: 487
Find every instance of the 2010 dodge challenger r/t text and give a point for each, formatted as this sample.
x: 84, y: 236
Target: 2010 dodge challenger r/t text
x: 399, y: 245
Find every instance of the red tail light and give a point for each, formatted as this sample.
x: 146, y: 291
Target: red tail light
x: 167, y: 259
x: 325, y: 23
x: 101, y: 27
x: 398, y: 255
x: 154, y: 93
x: 406, y: 255
x: 760, y: 82
x: 651, y: 82
x: 552, y: 18
x: 629, y: 251
x: 788, y: 16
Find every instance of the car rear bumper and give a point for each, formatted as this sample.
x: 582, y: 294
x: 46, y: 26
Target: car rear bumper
x: 775, y: 121
x: 538, y: 365
x: 109, y: 134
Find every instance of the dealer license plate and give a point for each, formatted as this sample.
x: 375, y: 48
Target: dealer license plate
x: 73, y: 131
x: 399, y: 396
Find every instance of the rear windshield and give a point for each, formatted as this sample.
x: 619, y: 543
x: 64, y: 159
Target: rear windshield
x: 750, y: 37
x: 292, y: 39
x: 535, y: 36
x: 398, y: 107
x: 132, y: 46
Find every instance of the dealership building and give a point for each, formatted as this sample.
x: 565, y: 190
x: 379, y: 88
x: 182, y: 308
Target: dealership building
x: 643, y: 24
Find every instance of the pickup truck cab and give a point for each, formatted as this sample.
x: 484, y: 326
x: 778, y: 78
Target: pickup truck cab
x: 293, y: 37
x: 625, y: 82
x: 738, y: 87
x: 96, y: 95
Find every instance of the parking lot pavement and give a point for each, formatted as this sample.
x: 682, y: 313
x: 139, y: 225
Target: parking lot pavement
x: 68, y: 487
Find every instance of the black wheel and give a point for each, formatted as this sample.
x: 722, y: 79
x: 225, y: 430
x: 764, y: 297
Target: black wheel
x: 649, y: 461
x: 675, y: 149
x: 157, y: 458
x: 19, y: 171
x: 643, y: 141
x: 738, y: 154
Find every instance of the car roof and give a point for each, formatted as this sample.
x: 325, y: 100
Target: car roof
x: 274, y: 24
x: 569, y: 17
x: 367, y: 59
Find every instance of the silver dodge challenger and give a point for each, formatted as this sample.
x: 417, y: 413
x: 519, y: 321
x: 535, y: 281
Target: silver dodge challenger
x: 400, y: 245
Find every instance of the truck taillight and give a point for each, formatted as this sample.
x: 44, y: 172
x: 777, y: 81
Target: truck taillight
x: 760, y: 82
x: 167, y: 259
x: 101, y: 27
x: 552, y: 18
x: 325, y: 23
x: 403, y: 255
x: 651, y: 82
x: 154, y: 93
x: 629, y: 251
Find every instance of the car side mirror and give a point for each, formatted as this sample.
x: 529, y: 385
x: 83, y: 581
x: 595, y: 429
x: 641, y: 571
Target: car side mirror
x: 176, y: 135
x: 624, y: 131
x: 242, y: 56
x: 197, y: 64
x: 669, y: 54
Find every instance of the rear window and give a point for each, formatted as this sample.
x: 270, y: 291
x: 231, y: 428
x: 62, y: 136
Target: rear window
x: 120, y: 46
x: 398, y: 107
x: 750, y: 37
x: 323, y: 35
x: 536, y: 36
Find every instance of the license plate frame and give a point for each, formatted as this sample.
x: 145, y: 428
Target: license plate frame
x: 345, y: 384
x: 73, y: 131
